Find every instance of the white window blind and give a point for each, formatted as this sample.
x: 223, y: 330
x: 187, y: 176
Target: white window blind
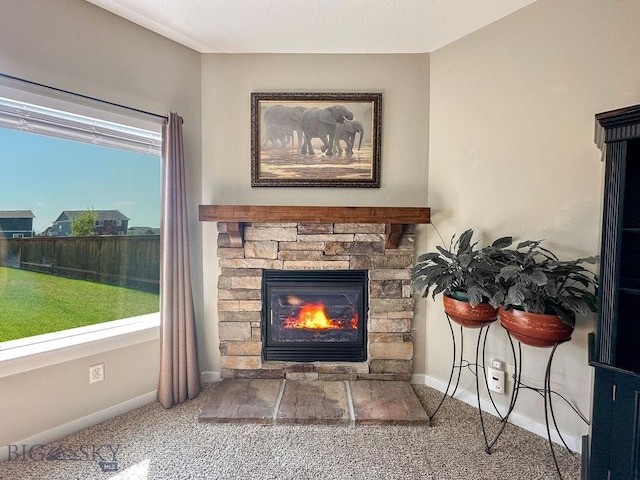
x: 46, y: 121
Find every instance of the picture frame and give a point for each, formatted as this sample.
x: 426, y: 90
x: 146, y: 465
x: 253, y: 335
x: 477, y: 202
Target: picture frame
x: 316, y: 139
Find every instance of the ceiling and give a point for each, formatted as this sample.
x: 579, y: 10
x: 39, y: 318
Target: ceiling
x: 313, y: 26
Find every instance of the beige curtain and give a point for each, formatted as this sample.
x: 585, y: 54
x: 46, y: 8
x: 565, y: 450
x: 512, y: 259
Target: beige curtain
x: 179, y: 375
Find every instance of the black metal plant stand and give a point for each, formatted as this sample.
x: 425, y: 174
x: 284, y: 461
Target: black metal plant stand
x: 458, y: 363
x: 546, y: 392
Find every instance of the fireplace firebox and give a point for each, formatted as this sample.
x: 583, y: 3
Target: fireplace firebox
x: 317, y: 315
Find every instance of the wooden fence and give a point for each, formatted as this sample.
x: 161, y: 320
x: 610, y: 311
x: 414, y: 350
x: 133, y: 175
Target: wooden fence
x: 129, y: 261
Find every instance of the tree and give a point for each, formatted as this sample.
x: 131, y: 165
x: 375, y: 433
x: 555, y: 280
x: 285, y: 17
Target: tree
x: 84, y: 224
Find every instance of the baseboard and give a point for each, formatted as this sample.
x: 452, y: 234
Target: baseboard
x: 466, y: 396
x: 74, y: 426
x: 210, y: 377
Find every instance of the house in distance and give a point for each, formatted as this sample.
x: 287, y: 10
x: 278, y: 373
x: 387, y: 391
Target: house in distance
x: 143, y: 231
x: 16, y: 223
x: 109, y: 222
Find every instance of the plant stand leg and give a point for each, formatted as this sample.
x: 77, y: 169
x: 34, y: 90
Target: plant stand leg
x: 517, y: 361
x: 546, y: 392
x: 482, y: 338
x: 484, y: 330
x: 548, y: 409
x: 486, y: 382
x: 453, y: 368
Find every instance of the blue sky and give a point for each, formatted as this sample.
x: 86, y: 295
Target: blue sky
x: 48, y: 175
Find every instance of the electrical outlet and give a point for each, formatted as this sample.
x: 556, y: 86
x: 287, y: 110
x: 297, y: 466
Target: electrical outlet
x: 96, y: 373
x: 495, y: 380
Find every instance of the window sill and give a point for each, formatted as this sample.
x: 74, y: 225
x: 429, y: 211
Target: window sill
x: 22, y: 355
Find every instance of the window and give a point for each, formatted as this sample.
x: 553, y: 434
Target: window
x: 63, y: 167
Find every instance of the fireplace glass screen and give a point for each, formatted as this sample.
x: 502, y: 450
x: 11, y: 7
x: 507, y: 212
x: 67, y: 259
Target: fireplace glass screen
x: 314, y: 315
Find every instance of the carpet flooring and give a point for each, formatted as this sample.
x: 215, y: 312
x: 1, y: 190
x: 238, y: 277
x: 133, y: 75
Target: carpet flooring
x: 154, y: 443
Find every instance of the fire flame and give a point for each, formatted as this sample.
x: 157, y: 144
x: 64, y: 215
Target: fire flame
x: 313, y: 316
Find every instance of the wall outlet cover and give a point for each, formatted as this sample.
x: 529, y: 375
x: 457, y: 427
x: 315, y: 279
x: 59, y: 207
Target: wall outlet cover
x: 96, y: 373
x: 495, y: 380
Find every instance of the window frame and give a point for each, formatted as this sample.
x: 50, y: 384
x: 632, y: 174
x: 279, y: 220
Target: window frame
x: 30, y: 353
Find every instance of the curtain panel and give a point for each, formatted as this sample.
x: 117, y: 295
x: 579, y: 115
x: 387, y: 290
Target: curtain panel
x: 179, y: 373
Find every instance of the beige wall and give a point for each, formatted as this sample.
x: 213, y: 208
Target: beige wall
x: 512, y: 152
x: 498, y: 125
x: 76, y: 46
x: 47, y: 398
x: 227, y: 82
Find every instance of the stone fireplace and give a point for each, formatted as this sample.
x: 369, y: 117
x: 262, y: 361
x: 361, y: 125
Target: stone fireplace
x: 360, y: 248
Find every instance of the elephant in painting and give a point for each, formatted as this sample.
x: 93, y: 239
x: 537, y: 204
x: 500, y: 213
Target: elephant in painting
x: 279, y: 118
x: 278, y: 135
x: 321, y: 123
x: 347, y: 132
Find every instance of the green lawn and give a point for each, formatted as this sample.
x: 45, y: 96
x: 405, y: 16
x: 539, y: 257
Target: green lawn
x: 35, y: 303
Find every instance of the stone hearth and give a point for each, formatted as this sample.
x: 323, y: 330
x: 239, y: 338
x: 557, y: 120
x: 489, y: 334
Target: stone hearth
x: 315, y: 246
x: 272, y: 402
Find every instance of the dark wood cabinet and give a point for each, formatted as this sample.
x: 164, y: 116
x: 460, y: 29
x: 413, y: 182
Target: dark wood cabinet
x: 614, y: 443
x: 614, y: 450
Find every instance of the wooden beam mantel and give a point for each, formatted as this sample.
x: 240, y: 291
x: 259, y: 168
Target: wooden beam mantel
x: 393, y: 217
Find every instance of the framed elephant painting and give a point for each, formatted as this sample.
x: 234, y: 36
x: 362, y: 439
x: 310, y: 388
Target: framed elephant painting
x: 315, y: 139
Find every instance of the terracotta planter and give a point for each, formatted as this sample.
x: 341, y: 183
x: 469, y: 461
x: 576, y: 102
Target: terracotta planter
x: 464, y: 314
x: 535, y: 329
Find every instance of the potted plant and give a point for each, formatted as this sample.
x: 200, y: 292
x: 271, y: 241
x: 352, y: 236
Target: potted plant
x: 465, y: 275
x: 541, y: 295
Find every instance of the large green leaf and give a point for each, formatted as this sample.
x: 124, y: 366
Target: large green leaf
x: 538, y: 278
x: 446, y: 253
x: 420, y: 286
x: 464, y: 242
x: 425, y: 257
x: 528, y: 243
x: 475, y: 295
x: 464, y: 259
x: 497, y: 299
x: 431, y: 270
x: 439, y: 289
x: 502, y: 242
x: 567, y: 318
x: 509, y: 272
x: 516, y: 294
x: 592, y: 260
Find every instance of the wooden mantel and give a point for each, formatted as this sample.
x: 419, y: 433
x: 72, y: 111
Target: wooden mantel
x: 393, y: 217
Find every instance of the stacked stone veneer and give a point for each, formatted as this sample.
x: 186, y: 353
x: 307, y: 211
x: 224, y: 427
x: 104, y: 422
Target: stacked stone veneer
x: 301, y: 246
